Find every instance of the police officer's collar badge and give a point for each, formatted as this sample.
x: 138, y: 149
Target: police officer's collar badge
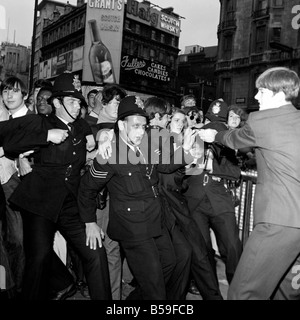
x: 76, y: 83
x: 139, y: 102
x: 216, y: 108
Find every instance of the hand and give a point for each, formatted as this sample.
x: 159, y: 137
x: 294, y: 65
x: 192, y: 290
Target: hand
x: 24, y: 166
x: 26, y: 154
x: 188, y: 139
x: 207, y: 135
x: 91, y: 143
x: 93, y: 234
x: 57, y: 136
x: 104, y: 148
x: 197, y: 151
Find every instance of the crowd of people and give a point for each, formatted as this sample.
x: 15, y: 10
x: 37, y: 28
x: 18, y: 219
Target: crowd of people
x: 112, y: 178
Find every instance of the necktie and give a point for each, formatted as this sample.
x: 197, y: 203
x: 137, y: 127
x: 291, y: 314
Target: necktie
x: 71, y: 126
x: 10, y: 117
x: 137, y: 152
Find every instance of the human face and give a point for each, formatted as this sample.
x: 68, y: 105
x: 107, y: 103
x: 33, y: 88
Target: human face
x: 164, y: 121
x: 73, y: 107
x: 111, y: 108
x: 91, y: 100
x: 13, y: 98
x: 134, y: 129
x: 265, y: 98
x: 177, y: 122
x: 42, y: 105
x: 234, y: 120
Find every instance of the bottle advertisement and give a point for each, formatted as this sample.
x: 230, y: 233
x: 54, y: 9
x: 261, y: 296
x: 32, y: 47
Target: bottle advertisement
x: 103, y: 41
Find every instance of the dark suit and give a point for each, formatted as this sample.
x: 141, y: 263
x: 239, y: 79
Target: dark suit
x: 135, y: 215
x: 273, y: 245
x: 211, y: 205
x: 48, y: 199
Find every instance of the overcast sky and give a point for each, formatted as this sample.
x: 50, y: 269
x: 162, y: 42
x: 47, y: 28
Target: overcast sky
x: 198, y: 25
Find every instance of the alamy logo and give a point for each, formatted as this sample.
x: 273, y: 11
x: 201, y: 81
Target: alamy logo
x: 296, y: 278
x: 296, y: 18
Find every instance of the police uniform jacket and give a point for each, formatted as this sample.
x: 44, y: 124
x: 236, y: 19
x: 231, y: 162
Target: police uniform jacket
x: 55, y: 173
x: 275, y: 135
x: 22, y: 134
x: 212, y: 185
x: 135, y: 207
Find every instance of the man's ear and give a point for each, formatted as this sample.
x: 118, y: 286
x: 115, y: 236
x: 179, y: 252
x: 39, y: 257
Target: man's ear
x: 121, y: 125
x: 56, y: 103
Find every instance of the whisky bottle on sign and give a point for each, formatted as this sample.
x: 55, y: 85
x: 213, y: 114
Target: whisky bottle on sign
x: 100, y: 57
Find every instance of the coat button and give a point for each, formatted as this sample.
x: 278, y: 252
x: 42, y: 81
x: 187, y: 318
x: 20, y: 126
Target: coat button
x: 74, y: 152
x: 129, y: 173
x: 128, y: 209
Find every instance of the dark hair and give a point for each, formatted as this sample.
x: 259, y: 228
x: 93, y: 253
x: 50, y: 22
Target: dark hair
x: 158, y: 105
x: 187, y: 97
x: 11, y: 83
x: 238, y: 111
x: 42, y: 83
x: 110, y: 91
x: 92, y: 91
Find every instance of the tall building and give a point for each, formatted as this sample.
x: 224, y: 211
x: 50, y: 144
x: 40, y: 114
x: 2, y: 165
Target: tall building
x: 254, y: 35
x: 195, y: 76
x: 14, y: 61
x: 142, y: 40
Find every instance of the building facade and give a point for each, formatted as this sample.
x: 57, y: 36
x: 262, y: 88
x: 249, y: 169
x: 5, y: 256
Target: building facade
x: 196, y: 74
x: 14, y: 61
x: 149, y: 50
x: 254, y: 35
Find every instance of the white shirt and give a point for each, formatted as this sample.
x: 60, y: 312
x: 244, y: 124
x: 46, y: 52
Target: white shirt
x: 20, y: 113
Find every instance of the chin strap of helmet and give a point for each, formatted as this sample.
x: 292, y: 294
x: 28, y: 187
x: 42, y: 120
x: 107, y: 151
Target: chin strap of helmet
x: 62, y: 102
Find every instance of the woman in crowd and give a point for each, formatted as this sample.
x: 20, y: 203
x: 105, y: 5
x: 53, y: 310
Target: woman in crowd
x: 183, y: 229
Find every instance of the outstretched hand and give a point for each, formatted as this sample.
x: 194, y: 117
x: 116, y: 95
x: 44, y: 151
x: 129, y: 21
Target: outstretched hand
x: 189, y: 138
x: 207, y: 135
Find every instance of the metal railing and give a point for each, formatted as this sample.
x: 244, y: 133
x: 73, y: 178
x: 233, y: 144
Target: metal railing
x: 244, y: 212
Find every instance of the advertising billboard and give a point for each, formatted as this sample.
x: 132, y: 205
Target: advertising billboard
x: 144, y: 13
x: 144, y: 68
x: 103, y: 41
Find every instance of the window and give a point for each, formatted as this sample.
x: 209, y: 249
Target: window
x: 262, y: 4
x: 260, y: 39
x: 227, y: 46
x: 162, y: 38
x: 127, y: 25
x: 278, y: 3
x: 173, y: 42
x: 138, y: 29
x: 146, y: 52
x: 153, y: 35
x: 152, y: 53
x: 276, y: 33
x: 226, y: 89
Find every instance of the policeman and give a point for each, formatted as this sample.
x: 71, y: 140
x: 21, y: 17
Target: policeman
x: 47, y: 198
x: 135, y: 207
x: 209, y: 201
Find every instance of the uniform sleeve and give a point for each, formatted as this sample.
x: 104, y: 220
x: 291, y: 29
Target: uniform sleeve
x: 22, y: 134
x: 92, y: 182
x: 237, y: 138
